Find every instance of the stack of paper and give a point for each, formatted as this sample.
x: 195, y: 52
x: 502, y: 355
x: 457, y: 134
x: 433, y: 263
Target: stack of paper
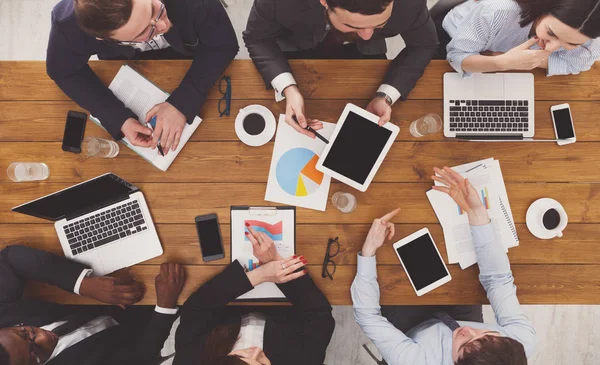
x: 140, y: 95
x: 486, y: 178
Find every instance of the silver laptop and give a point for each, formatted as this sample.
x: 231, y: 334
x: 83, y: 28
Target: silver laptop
x: 489, y: 106
x: 103, y: 223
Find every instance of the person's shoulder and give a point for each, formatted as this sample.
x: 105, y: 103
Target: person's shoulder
x: 63, y: 12
x: 496, y: 7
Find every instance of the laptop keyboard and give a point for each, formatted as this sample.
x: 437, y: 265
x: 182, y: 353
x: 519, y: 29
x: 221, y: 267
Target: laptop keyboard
x: 105, y: 227
x: 489, y: 115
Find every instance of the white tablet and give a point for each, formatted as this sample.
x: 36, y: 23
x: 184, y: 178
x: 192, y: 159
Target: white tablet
x: 422, y: 262
x: 357, y: 147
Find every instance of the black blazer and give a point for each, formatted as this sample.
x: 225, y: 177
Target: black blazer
x: 297, y: 334
x: 137, y: 343
x: 201, y: 28
x: 275, y: 26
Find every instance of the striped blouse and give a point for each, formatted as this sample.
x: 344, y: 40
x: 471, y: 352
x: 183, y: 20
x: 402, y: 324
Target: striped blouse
x: 493, y: 25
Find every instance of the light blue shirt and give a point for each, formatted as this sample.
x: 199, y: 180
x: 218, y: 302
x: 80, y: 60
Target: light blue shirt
x: 430, y: 343
x: 493, y: 25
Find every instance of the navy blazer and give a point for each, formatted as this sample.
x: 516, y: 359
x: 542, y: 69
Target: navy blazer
x: 201, y: 29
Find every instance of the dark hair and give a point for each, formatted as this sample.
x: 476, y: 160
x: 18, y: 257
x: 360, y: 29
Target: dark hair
x: 219, y: 344
x: 583, y: 15
x: 364, y: 7
x: 101, y: 18
x: 4, y: 356
x: 493, y: 350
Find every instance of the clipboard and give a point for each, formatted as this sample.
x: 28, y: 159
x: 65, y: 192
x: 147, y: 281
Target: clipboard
x: 277, y: 222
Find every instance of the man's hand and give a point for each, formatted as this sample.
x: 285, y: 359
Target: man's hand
x: 263, y: 247
x: 120, y: 291
x: 295, y: 107
x: 380, y: 108
x: 463, y: 193
x: 136, y: 133
x: 522, y: 57
x: 381, y: 228
x: 169, y: 126
x: 169, y: 283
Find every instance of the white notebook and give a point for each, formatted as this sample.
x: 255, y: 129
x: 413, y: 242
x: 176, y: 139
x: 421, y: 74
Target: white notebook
x: 140, y: 95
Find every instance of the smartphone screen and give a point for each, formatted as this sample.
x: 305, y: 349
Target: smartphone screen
x: 563, y: 123
x: 74, y: 130
x: 210, y: 237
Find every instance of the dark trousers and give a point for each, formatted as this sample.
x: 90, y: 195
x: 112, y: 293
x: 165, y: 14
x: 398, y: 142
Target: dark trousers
x: 405, y: 317
x: 346, y: 52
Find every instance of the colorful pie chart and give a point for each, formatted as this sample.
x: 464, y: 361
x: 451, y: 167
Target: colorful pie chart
x: 297, y: 173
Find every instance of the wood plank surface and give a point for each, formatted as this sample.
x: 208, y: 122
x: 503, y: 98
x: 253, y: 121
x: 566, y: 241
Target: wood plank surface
x: 539, y: 284
x: 406, y: 162
x: 579, y: 245
x: 215, y: 171
x: 182, y: 202
x: 317, y: 79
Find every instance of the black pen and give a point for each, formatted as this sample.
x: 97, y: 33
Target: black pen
x: 309, y: 128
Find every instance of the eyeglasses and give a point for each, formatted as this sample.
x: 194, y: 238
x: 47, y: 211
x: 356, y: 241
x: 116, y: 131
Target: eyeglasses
x: 31, y: 339
x: 327, y: 263
x: 152, y: 29
x: 225, y: 89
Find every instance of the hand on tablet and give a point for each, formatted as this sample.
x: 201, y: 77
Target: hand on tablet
x: 263, y: 247
x: 295, y: 106
x: 463, y: 193
x: 381, y: 228
x: 380, y: 108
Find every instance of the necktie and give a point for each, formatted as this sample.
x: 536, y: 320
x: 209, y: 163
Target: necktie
x: 74, y: 322
x: 447, y: 320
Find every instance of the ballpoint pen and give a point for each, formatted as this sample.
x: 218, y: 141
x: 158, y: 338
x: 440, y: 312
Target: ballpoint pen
x: 309, y: 128
x: 152, y: 123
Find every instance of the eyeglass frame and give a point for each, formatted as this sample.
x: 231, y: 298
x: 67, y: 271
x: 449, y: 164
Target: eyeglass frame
x: 328, y: 256
x: 226, y: 96
x: 31, y: 340
x: 152, y: 23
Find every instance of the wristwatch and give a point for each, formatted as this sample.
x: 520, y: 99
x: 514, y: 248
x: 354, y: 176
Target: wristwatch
x: 386, y: 97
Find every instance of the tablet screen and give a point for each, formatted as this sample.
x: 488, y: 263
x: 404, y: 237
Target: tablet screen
x: 422, y: 262
x: 356, y: 148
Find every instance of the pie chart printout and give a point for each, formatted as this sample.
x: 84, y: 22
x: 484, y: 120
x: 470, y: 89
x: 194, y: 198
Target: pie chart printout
x: 296, y: 172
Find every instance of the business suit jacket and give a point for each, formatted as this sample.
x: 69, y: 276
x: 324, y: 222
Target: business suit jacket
x: 201, y: 29
x: 276, y: 26
x: 138, y: 343
x: 293, y: 335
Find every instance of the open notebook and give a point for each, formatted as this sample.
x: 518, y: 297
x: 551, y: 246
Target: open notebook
x: 140, y: 95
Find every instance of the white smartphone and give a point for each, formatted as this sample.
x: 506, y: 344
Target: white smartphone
x: 563, y: 124
x: 422, y: 262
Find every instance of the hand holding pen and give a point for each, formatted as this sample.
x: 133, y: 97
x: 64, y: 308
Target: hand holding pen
x: 310, y: 129
x: 152, y: 125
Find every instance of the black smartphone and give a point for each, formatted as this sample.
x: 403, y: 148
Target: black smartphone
x: 74, y: 130
x: 209, y: 233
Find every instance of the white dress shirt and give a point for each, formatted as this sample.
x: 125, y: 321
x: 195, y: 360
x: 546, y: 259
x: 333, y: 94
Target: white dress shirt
x: 252, y: 332
x: 158, y: 42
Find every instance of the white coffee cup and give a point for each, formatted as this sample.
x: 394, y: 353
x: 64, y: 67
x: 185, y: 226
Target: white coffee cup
x: 557, y: 231
x: 535, y: 218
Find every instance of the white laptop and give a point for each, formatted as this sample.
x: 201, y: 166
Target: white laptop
x: 103, y: 223
x: 489, y: 106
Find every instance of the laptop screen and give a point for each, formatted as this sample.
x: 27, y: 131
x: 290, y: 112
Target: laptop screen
x: 93, y: 194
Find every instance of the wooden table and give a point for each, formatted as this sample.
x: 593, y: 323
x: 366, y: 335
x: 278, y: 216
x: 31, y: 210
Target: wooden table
x: 215, y: 170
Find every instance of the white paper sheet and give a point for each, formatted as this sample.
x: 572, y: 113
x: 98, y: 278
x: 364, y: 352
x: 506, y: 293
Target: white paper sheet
x: 140, y: 95
x: 293, y: 178
x: 271, y: 224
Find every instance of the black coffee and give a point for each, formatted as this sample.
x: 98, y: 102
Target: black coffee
x: 551, y: 219
x: 254, y: 124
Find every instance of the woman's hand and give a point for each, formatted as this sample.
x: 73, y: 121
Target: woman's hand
x: 522, y: 57
x: 278, y: 271
x: 263, y: 247
x: 463, y: 193
x: 381, y: 228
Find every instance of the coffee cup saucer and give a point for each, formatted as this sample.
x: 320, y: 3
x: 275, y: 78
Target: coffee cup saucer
x: 261, y: 138
x: 534, y: 216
